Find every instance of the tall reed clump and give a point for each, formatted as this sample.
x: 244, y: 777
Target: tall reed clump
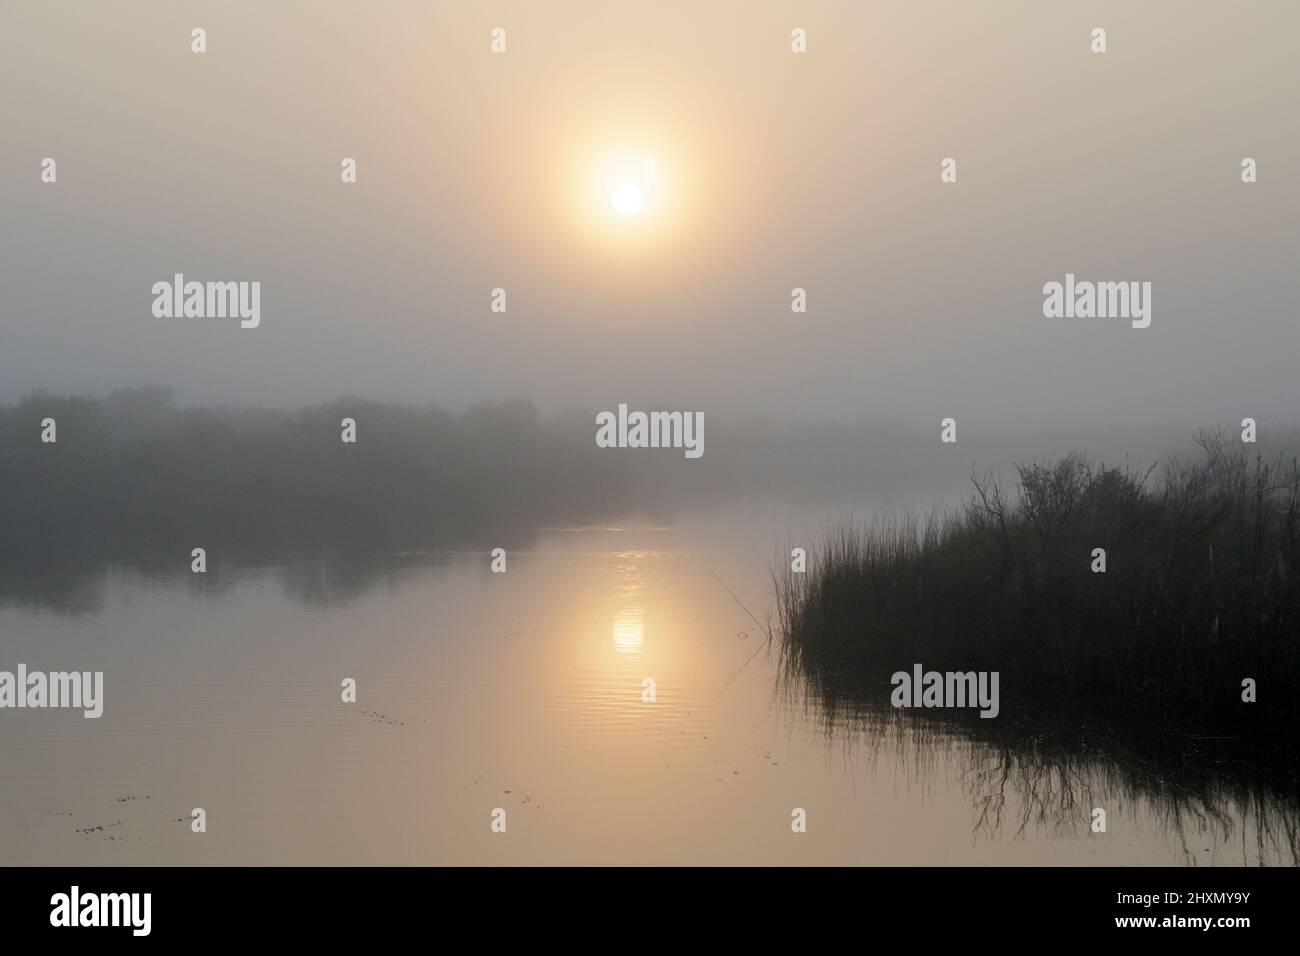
x: 1201, y: 590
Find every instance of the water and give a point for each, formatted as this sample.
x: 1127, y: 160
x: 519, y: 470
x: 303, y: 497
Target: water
x: 520, y: 691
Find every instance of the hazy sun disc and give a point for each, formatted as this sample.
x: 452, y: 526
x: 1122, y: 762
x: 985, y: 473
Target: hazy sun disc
x: 627, y: 199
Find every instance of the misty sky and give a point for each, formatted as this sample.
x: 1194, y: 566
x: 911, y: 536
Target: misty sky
x: 818, y: 170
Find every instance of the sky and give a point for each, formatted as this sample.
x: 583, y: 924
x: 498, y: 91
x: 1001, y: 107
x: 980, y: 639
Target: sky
x: 771, y: 170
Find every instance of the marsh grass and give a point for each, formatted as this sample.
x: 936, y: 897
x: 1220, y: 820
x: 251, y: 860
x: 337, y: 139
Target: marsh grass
x: 1200, y: 591
x: 1116, y: 688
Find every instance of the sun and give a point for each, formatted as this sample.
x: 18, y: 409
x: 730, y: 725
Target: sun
x: 627, y: 199
x: 625, y: 192
x: 623, y: 189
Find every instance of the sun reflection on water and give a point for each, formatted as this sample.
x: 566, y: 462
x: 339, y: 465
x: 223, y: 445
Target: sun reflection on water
x: 629, y: 630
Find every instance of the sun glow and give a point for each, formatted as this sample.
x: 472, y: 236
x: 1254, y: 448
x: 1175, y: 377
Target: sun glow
x: 625, y: 194
x: 627, y: 198
x: 625, y: 183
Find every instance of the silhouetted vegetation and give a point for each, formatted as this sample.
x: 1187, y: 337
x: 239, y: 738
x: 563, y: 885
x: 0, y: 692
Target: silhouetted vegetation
x: 1201, y: 590
x: 131, y: 475
x: 1127, y: 682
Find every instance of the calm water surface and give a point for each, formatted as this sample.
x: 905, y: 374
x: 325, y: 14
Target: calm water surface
x: 521, y: 691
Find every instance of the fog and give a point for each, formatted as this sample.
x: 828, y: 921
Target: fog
x: 817, y: 171
x: 319, y: 317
